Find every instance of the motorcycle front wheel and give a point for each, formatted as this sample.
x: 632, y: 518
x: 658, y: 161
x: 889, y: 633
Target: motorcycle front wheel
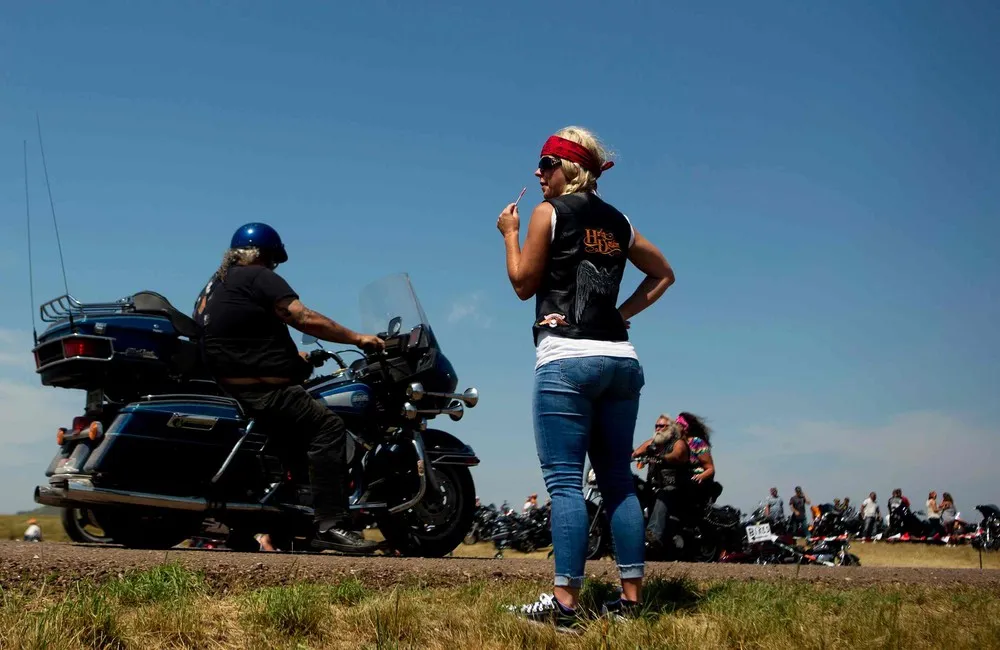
x: 438, y: 524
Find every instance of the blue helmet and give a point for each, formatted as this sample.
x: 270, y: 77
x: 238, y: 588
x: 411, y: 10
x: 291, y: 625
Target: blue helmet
x: 262, y: 236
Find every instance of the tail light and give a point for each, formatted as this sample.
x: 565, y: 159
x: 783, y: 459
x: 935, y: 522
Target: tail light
x: 81, y: 422
x: 83, y: 347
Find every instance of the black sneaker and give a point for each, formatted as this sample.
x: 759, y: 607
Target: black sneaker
x: 548, y: 611
x: 344, y: 541
x: 621, y: 609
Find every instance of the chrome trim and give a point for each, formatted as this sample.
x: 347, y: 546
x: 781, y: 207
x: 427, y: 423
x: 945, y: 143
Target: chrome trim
x: 418, y: 444
x: 62, y: 350
x: 65, y: 306
x: 456, y: 459
x: 426, y: 460
x: 455, y: 411
x: 232, y: 455
x: 416, y: 392
x: 196, y: 422
x: 194, y: 397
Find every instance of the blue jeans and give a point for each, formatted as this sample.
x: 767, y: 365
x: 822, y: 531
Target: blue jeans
x: 582, y: 406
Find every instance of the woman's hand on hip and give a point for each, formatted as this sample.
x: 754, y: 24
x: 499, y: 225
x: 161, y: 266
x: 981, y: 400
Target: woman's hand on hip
x: 509, y: 221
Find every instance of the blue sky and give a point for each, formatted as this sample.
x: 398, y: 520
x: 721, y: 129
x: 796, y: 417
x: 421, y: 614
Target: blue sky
x: 823, y: 179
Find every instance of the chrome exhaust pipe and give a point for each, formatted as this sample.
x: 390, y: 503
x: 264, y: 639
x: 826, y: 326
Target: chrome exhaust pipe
x: 82, y: 491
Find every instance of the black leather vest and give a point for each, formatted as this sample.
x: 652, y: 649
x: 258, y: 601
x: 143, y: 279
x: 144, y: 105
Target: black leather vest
x: 587, y: 259
x: 663, y: 474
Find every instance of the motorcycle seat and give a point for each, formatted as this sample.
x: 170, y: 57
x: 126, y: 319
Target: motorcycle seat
x: 150, y: 302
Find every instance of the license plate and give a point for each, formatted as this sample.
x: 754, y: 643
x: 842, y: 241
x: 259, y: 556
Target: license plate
x: 761, y: 533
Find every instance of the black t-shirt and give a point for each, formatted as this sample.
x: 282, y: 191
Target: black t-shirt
x: 242, y: 334
x: 799, y: 503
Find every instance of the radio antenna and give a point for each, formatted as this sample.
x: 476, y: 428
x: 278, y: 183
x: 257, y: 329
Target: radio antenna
x: 27, y: 218
x: 52, y: 205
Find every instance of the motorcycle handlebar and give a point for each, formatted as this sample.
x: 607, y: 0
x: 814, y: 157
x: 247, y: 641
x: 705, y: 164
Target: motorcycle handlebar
x: 318, y: 357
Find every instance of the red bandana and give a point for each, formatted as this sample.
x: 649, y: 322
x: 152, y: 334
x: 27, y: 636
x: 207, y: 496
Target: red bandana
x: 573, y: 152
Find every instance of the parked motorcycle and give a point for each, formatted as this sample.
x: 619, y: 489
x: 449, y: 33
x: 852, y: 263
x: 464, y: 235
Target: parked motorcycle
x: 483, y: 523
x: 758, y: 516
x: 988, y: 535
x: 160, y: 448
x: 903, y: 522
x: 830, y: 522
x: 763, y: 546
x: 534, y: 530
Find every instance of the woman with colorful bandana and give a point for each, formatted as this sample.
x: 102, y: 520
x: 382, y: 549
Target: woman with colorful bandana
x: 587, y: 374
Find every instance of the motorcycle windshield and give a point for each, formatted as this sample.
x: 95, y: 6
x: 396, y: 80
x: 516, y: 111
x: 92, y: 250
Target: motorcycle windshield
x: 390, y: 306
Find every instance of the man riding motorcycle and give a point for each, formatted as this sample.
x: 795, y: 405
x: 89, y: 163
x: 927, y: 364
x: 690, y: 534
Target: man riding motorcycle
x: 669, y: 475
x: 244, y: 312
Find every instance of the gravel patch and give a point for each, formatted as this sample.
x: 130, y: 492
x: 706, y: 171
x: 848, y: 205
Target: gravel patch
x: 57, y: 566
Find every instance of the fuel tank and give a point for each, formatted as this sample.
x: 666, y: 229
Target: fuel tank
x: 350, y: 399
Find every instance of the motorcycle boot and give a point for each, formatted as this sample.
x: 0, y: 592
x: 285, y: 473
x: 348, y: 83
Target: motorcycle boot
x: 333, y: 536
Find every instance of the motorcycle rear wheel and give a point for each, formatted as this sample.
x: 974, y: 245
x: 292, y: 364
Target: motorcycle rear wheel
x: 79, y: 524
x: 438, y: 524
x: 145, y: 529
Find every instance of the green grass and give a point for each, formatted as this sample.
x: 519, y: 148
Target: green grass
x: 172, y: 607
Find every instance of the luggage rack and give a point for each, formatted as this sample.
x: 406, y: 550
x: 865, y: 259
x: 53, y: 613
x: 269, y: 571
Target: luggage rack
x: 66, y: 307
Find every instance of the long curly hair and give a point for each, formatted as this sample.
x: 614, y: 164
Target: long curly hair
x: 236, y: 256
x: 696, y: 426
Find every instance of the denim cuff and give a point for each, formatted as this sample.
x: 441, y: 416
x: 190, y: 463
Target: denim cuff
x: 566, y: 581
x: 632, y: 571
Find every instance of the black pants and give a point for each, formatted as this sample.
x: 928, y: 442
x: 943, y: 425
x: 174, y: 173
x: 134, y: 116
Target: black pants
x: 291, y: 411
x: 798, y: 527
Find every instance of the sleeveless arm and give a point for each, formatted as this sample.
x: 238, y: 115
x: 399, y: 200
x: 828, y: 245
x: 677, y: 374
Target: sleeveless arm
x: 526, y: 267
x: 659, y: 276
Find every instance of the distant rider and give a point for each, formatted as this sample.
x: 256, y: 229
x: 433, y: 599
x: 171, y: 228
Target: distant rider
x: 704, y: 488
x: 669, y: 476
x: 244, y: 312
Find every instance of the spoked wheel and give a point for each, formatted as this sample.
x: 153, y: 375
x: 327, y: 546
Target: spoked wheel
x: 437, y: 524
x: 81, y: 526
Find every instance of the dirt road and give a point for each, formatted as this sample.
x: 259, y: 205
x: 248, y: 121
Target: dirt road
x: 26, y: 565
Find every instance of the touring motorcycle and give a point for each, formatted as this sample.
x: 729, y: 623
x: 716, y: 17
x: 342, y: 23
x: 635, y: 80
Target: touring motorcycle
x: 161, y: 449
x: 701, y: 534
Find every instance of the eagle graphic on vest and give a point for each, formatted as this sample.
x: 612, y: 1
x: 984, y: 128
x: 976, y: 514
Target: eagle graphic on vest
x: 592, y: 283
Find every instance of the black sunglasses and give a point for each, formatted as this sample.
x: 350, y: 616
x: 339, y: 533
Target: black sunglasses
x: 549, y: 162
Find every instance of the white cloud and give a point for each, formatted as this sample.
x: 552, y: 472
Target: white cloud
x: 470, y: 308
x: 915, y: 451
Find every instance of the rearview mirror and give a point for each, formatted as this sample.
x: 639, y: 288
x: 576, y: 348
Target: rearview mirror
x: 309, y: 339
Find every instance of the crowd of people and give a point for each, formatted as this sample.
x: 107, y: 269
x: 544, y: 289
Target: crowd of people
x: 942, y: 516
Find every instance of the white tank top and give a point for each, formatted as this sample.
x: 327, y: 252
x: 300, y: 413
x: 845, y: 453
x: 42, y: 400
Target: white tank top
x: 551, y: 348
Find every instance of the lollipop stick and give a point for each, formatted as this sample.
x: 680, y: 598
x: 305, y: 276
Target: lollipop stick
x: 523, y: 190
